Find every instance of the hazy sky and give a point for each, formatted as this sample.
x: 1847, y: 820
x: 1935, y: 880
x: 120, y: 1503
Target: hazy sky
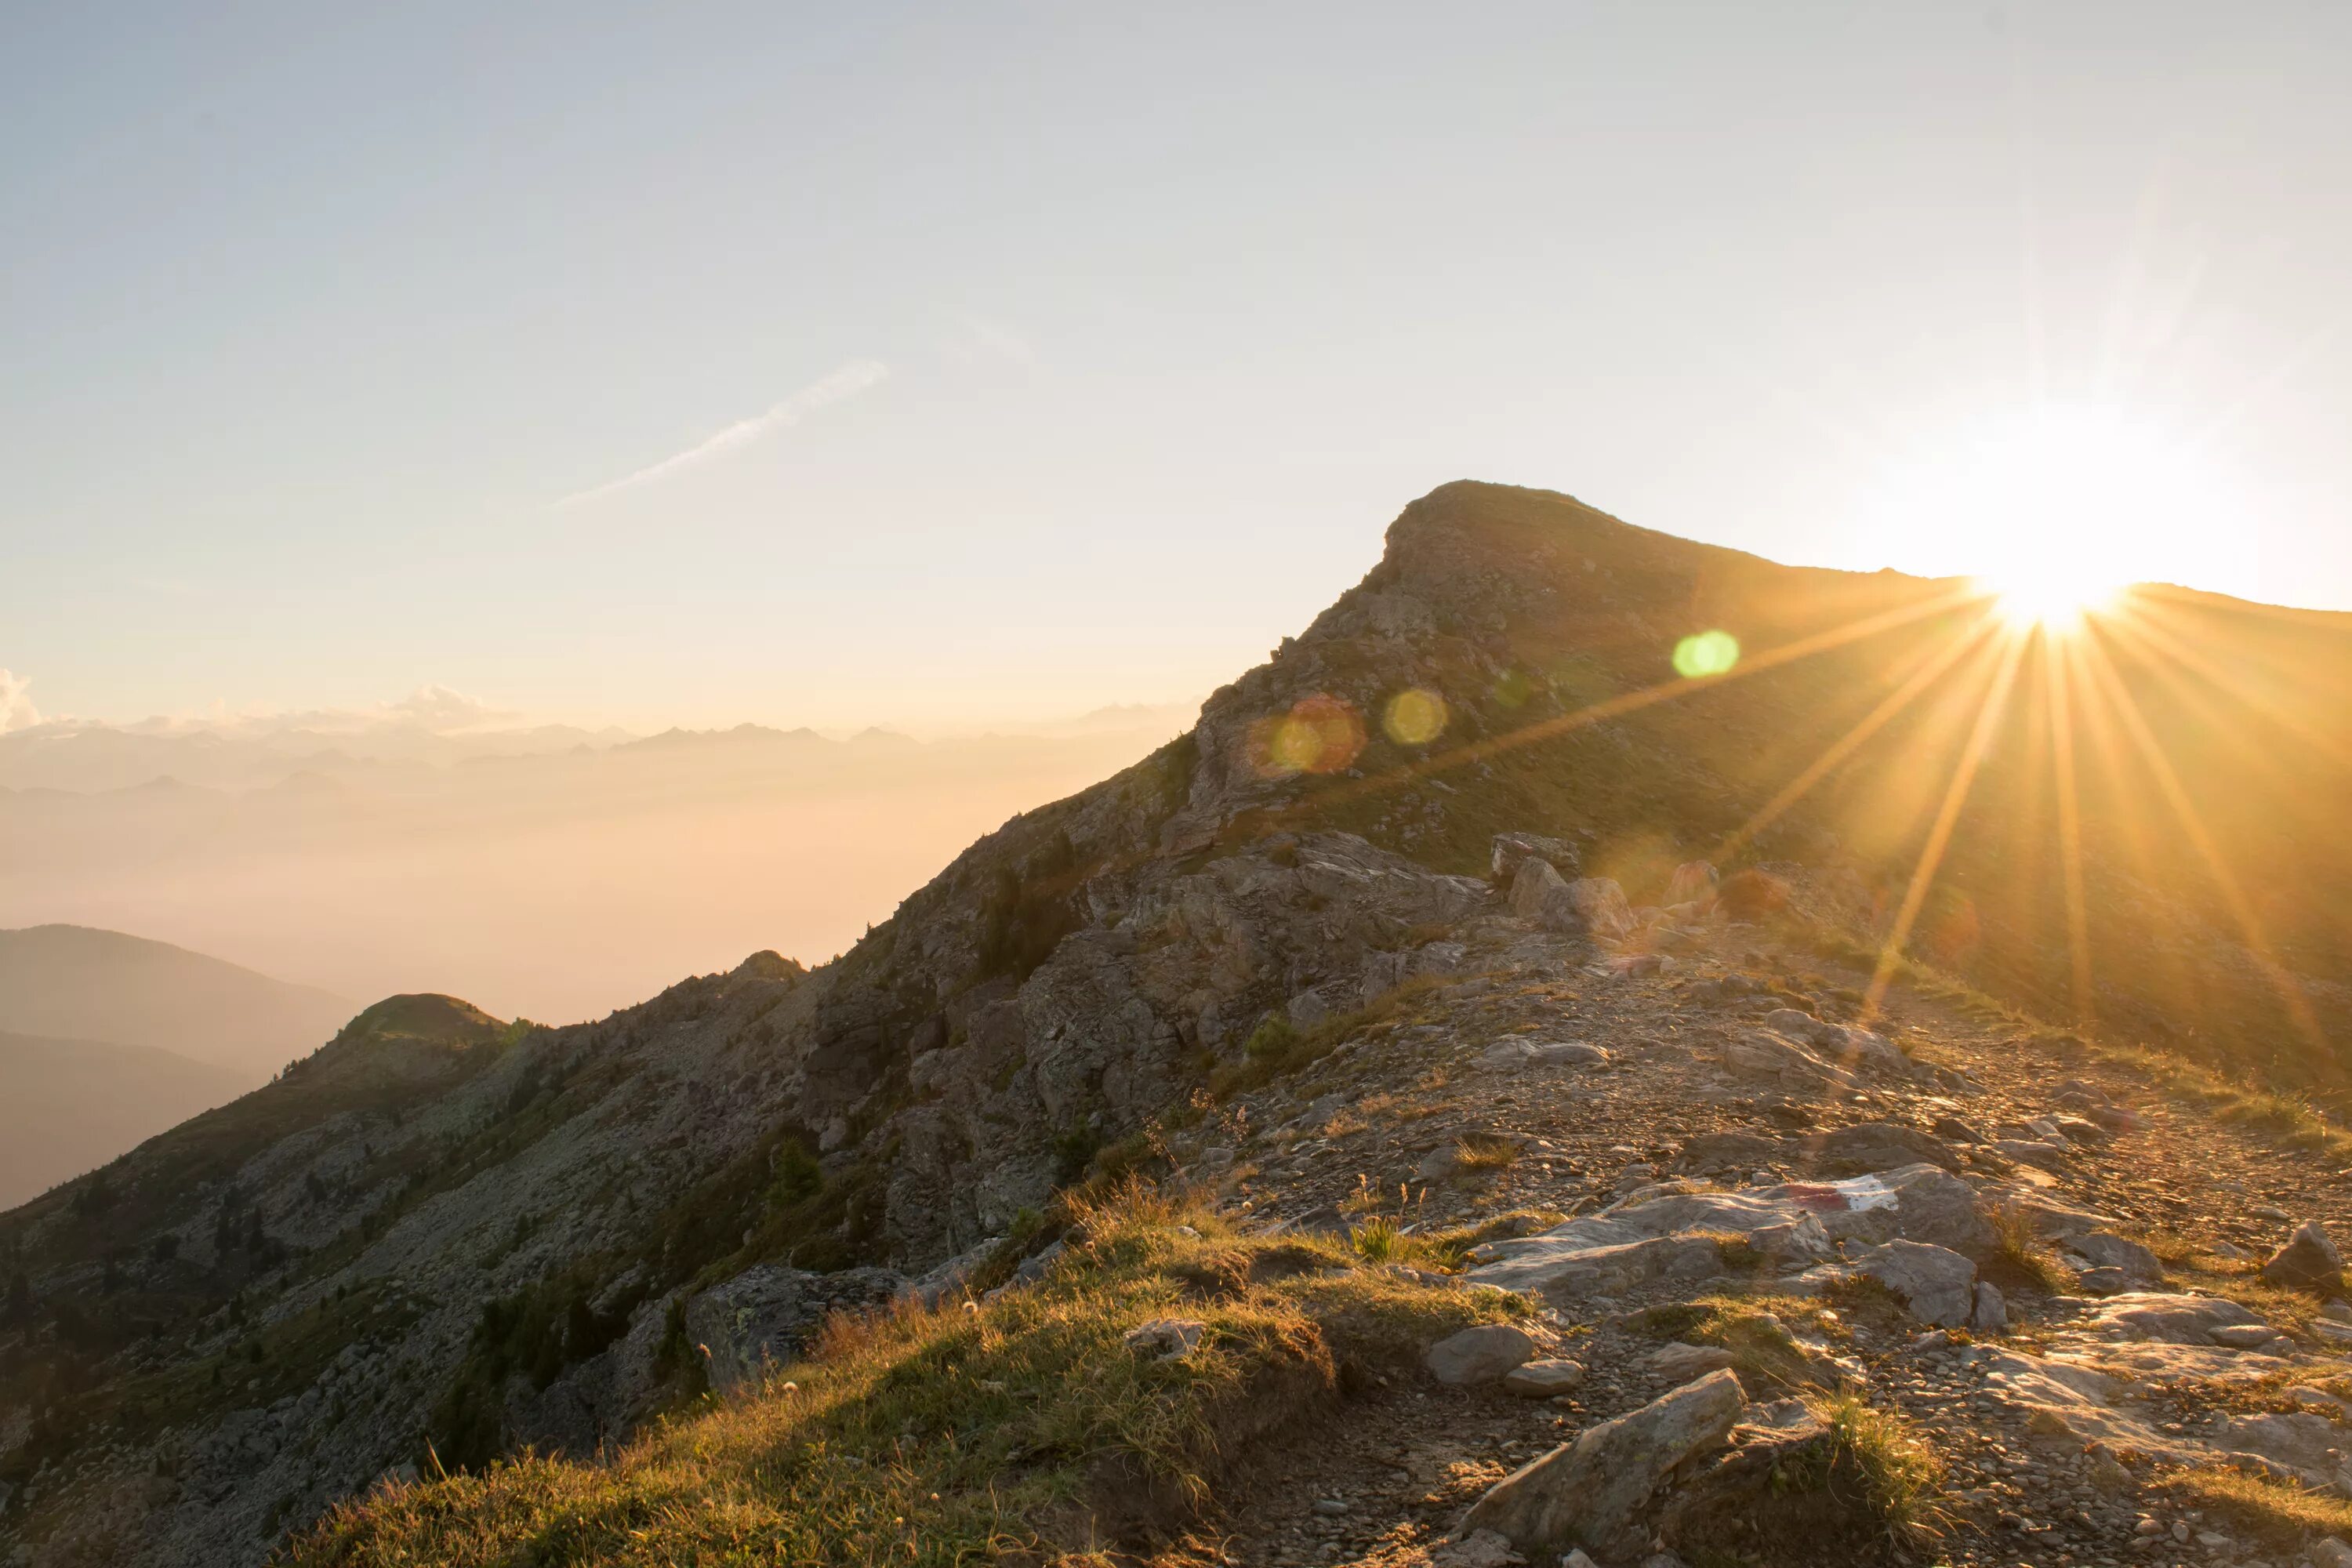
x: 694, y: 363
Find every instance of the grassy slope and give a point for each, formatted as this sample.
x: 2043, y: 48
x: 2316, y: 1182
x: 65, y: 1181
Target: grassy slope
x: 1022, y: 1425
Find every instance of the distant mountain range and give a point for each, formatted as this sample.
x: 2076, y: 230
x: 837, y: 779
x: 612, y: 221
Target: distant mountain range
x: 555, y: 883
x: 107, y: 1039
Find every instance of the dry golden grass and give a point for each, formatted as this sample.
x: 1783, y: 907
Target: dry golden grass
x: 1486, y: 1151
x: 950, y: 1437
x: 2020, y: 1255
x: 2272, y: 1512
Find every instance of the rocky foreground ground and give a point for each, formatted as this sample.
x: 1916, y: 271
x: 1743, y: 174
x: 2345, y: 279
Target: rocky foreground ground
x: 2074, y: 1286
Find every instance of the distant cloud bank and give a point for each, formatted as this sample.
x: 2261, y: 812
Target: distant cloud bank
x: 841, y: 385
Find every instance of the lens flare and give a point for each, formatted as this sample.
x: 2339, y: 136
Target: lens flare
x: 1320, y: 734
x: 1707, y: 653
x: 1415, y: 717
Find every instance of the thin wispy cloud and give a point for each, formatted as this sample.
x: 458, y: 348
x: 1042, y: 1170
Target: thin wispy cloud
x: 839, y: 386
x: 980, y: 338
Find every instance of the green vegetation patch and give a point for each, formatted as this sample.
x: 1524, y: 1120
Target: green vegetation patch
x: 1028, y: 1425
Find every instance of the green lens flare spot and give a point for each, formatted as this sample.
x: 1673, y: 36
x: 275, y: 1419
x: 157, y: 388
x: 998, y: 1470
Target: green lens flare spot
x: 1707, y: 653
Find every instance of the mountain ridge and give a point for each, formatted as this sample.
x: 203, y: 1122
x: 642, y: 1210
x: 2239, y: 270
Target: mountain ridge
x: 524, y: 1249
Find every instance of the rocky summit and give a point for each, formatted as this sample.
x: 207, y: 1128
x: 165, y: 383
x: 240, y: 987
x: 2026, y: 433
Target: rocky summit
x: 1487, y: 1095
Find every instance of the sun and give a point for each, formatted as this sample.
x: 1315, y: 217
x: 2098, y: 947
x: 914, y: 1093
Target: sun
x: 2053, y: 597
x: 2056, y: 507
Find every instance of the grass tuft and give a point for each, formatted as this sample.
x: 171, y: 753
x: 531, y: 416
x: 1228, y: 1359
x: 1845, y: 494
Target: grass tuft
x: 1484, y: 1152
x: 2020, y: 1256
x: 1898, y: 1474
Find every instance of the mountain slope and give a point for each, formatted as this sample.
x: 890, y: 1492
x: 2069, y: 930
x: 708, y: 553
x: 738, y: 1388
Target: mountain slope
x: 79, y: 983
x: 67, y: 1105
x: 439, y: 1241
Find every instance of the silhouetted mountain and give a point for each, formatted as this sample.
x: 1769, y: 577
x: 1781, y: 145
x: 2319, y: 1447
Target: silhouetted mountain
x: 69, y: 1105
x: 76, y: 983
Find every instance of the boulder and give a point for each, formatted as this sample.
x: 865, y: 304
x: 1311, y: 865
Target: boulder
x: 762, y: 1316
x: 2105, y: 1249
x: 1509, y: 849
x: 2309, y: 1261
x: 1544, y: 1379
x: 2039, y: 1153
x: 1841, y: 1045
x: 1989, y: 1314
x: 1480, y: 1548
x: 1694, y: 882
x: 1723, y: 1499
x: 1764, y: 1055
x: 1952, y: 1130
x: 1676, y: 1236
x: 1680, y: 1363
x: 1878, y: 1146
x: 1752, y: 895
x: 1479, y: 1354
x: 1936, y: 1284
x: 1519, y: 1051
x: 2174, y: 1319
x: 1592, y: 1493
x: 1539, y: 894
x: 1600, y: 906
x: 2309, y: 1444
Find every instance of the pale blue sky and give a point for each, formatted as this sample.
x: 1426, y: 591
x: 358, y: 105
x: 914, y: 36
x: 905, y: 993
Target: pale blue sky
x: 326, y: 338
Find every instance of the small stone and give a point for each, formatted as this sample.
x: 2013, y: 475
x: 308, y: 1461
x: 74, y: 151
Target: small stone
x: 1989, y: 1314
x: 1479, y: 1549
x: 1680, y: 1363
x: 1168, y: 1339
x: 1544, y: 1379
x: 1331, y: 1507
x: 2242, y: 1336
x: 2330, y: 1552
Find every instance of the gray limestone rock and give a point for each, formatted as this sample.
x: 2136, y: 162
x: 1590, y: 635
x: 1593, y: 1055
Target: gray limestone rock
x: 1592, y: 1493
x: 1936, y: 1284
x: 1479, y: 1354
x: 2105, y: 1249
x: 1544, y: 1378
x: 2309, y: 1261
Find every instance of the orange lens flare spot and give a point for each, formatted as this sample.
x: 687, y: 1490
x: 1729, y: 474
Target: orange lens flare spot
x: 1320, y: 734
x: 1415, y: 717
